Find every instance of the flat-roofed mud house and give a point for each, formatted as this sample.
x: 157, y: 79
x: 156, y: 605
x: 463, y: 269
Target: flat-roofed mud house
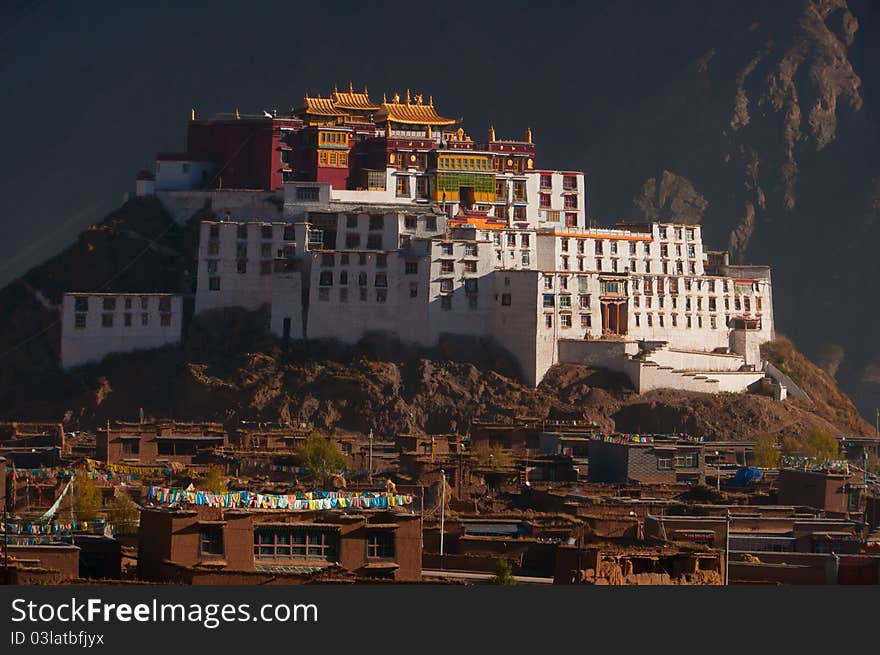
x: 206, y: 545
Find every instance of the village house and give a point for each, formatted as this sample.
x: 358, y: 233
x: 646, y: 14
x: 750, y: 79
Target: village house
x: 659, y: 460
x: 205, y: 545
x: 158, y: 442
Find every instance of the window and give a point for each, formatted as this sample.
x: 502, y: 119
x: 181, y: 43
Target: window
x: 447, y: 266
x: 81, y: 304
x: 688, y: 461
x: 241, y: 266
x: 241, y: 250
x: 214, y: 284
x: 413, y: 289
x: 352, y: 239
x: 213, y: 247
x: 165, y: 320
x: 402, y: 185
x: 307, y: 193
x: 519, y: 190
x: 266, y: 231
x: 324, y: 294
x: 565, y: 302
x: 471, y: 285
x: 79, y: 321
x: 548, y: 281
x: 411, y: 268
x: 214, y: 232
x: 565, y: 320
x: 212, y: 266
x: 381, y: 280
x: 586, y: 321
x: 545, y: 199
x: 127, y: 319
x: 265, y: 250
x: 381, y: 261
x: 569, y: 183
x: 380, y: 545
x: 664, y: 462
x: 470, y: 250
x: 351, y: 221
x: 381, y: 295
x: 524, y: 254
x: 289, y: 233
x: 445, y: 302
x: 374, y: 242
x: 546, y: 181
x: 211, y: 540
x: 548, y: 320
x: 362, y: 279
x: 326, y: 279
x: 584, y: 301
x: 470, y: 267
x: 549, y: 300
x: 131, y: 447
x: 431, y: 223
x: 505, y: 299
x: 106, y: 320
x: 241, y: 231
x: 571, y: 202
x: 109, y: 304
x: 297, y: 544
x: 446, y: 286
x: 362, y: 293
x: 410, y: 222
x: 598, y: 247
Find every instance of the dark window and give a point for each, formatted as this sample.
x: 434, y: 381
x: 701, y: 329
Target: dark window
x: 241, y: 266
x: 352, y: 239
x: 214, y: 231
x: 300, y: 544
x: 381, y: 261
x: 289, y: 233
x: 326, y: 279
x: 266, y: 231
x: 445, y: 302
x: 505, y: 299
x: 351, y: 221
x: 213, y: 284
x: 107, y: 320
x: 109, y: 304
x: 211, y: 540
x: 165, y: 320
x: 81, y: 304
x: 377, y: 222
x: 380, y: 544
x: 411, y: 268
x: 127, y: 318
x: 241, y: 231
x: 374, y: 242
x: 79, y: 321
x: 307, y: 193
x: 131, y: 447
x: 664, y: 463
x: 328, y: 260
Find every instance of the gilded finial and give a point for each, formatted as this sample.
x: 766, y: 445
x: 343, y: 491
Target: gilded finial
x: 407, y: 97
x: 430, y: 101
x: 384, y: 98
x: 396, y: 98
x: 529, y: 134
x: 427, y: 131
x: 335, y: 88
x: 193, y: 114
x: 418, y: 98
x: 491, y: 133
x: 350, y: 87
x: 237, y: 114
x: 366, y: 93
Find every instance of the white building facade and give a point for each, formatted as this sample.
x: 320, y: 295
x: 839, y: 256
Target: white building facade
x: 95, y: 325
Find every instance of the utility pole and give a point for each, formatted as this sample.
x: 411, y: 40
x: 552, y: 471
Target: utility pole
x: 442, y: 512
x: 727, y: 552
x: 370, y: 474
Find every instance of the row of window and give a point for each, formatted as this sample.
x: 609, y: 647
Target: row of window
x: 241, y: 231
x: 331, y: 158
x: 569, y: 182
x: 325, y: 279
x: 107, y: 320
x: 569, y: 201
x: 567, y: 320
x: 328, y: 260
x: 689, y: 322
x: 739, y: 303
x: 109, y: 304
x: 689, y: 232
x: 565, y: 300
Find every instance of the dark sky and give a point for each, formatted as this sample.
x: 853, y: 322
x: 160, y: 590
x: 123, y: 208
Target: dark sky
x: 91, y: 91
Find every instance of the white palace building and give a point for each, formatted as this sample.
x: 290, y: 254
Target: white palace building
x: 453, y: 238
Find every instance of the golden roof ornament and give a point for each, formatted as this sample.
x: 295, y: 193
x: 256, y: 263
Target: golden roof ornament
x: 237, y: 114
x: 407, y: 97
x: 418, y: 98
x: 529, y: 134
x: 396, y: 98
x: 430, y: 101
x: 350, y: 87
x: 193, y: 114
x: 491, y: 133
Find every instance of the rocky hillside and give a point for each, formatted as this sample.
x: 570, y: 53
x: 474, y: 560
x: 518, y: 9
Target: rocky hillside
x: 769, y: 140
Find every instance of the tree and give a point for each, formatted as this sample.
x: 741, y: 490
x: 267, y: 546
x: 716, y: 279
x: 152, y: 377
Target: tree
x: 765, y: 454
x: 124, y: 515
x: 503, y: 573
x: 820, y: 444
x: 87, y: 499
x: 214, y: 479
x: 320, y: 457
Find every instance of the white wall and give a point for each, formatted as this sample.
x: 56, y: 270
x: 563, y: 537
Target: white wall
x: 174, y: 175
x: 91, y: 340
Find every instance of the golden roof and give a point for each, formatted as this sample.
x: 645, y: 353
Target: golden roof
x: 319, y: 107
x: 353, y: 100
x: 411, y: 113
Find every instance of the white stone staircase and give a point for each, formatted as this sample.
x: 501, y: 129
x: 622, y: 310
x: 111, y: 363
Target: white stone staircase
x: 656, y: 366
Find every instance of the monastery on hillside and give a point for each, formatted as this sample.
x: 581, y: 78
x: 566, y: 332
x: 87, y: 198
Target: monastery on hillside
x: 348, y: 217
